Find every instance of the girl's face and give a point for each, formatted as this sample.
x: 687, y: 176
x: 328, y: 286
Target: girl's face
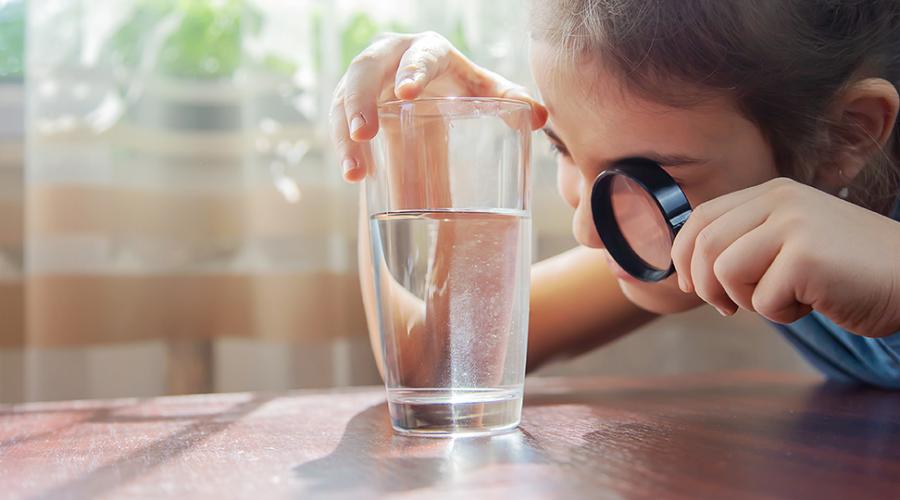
x: 709, y: 149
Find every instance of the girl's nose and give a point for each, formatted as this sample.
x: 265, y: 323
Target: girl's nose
x: 569, y: 181
x: 583, y: 221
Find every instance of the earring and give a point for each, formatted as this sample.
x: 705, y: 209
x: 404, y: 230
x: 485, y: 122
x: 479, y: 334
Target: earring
x: 844, y: 191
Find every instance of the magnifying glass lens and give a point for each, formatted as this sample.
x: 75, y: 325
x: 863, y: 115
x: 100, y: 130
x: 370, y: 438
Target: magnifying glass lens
x: 641, y: 222
x: 638, y: 209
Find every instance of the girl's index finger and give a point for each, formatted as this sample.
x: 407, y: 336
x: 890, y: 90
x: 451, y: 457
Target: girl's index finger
x: 363, y: 83
x: 703, y: 215
x: 539, y: 113
x: 427, y: 58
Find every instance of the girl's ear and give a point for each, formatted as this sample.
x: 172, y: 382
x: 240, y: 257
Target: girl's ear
x: 863, y: 120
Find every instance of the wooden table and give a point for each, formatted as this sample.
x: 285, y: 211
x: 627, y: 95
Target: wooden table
x: 739, y: 435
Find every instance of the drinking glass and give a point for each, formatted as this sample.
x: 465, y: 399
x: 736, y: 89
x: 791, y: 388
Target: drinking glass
x: 448, y: 201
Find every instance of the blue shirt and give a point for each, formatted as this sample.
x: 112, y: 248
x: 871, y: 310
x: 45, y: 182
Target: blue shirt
x: 845, y: 357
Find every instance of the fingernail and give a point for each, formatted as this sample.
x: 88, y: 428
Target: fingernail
x: 406, y: 82
x: 681, y: 284
x: 348, y: 165
x: 723, y: 311
x: 356, y: 123
x: 520, y: 95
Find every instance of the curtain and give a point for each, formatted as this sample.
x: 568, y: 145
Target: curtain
x: 171, y: 215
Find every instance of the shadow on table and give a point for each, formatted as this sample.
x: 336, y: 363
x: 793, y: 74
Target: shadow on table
x: 198, y: 429
x: 371, y: 458
x: 768, y: 439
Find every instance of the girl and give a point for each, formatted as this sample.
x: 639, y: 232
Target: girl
x: 777, y: 118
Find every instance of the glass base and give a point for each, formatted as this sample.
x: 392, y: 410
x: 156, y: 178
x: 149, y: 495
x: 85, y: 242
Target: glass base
x: 454, y: 412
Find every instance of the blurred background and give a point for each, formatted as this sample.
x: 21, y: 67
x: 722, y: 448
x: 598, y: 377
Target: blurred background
x: 172, y: 218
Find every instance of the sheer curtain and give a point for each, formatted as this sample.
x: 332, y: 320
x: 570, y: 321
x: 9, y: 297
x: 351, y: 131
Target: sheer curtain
x: 171, y: 216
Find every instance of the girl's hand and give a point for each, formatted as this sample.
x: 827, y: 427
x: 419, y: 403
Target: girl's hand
x: 399, y: 66
x: 783, y: 249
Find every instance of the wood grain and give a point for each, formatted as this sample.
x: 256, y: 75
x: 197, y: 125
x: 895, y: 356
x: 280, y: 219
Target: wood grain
x: 743, y: 435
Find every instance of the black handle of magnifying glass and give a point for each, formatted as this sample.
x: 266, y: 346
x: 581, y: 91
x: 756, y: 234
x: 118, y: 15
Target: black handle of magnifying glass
x: 665, y: 192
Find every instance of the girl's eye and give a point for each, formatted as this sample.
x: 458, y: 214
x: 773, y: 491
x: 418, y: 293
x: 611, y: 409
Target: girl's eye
x: 557, y: 150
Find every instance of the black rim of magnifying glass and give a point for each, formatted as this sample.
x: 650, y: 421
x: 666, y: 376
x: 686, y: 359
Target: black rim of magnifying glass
x: 664, y: 191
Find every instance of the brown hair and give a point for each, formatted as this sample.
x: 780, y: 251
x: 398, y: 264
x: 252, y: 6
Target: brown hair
x: 783, y: 61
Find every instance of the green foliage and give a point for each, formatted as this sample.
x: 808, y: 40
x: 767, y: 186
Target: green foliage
x: 356, y: 36
x: 279, y: 64
x: 458, y: 38
x: 361, y: 30
x: 201, y: 38
x: 12, y: 40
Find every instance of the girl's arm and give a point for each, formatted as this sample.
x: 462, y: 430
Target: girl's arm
x: 575, y: 306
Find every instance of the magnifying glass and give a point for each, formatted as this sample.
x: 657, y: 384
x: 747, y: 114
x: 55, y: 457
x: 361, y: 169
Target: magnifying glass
x: 638, y: 209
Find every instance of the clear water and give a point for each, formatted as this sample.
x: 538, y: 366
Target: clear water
x: 455, y: 412
x: 452, y: 290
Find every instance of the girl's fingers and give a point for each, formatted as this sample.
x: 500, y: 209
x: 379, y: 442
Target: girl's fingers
x: 741, y: 266
x: 715, y: 239
x: 492, y: 84
x: 364, y: 82
x: 539, y: 113
x: 350, y: 153
x: 427, y: 58
x: 414, y: 62
x: 431, y: 56
x: 775, y: 297
x: 703, y: 215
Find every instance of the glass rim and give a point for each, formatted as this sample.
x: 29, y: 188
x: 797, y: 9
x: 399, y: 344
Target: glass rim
x: 393, y: 106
